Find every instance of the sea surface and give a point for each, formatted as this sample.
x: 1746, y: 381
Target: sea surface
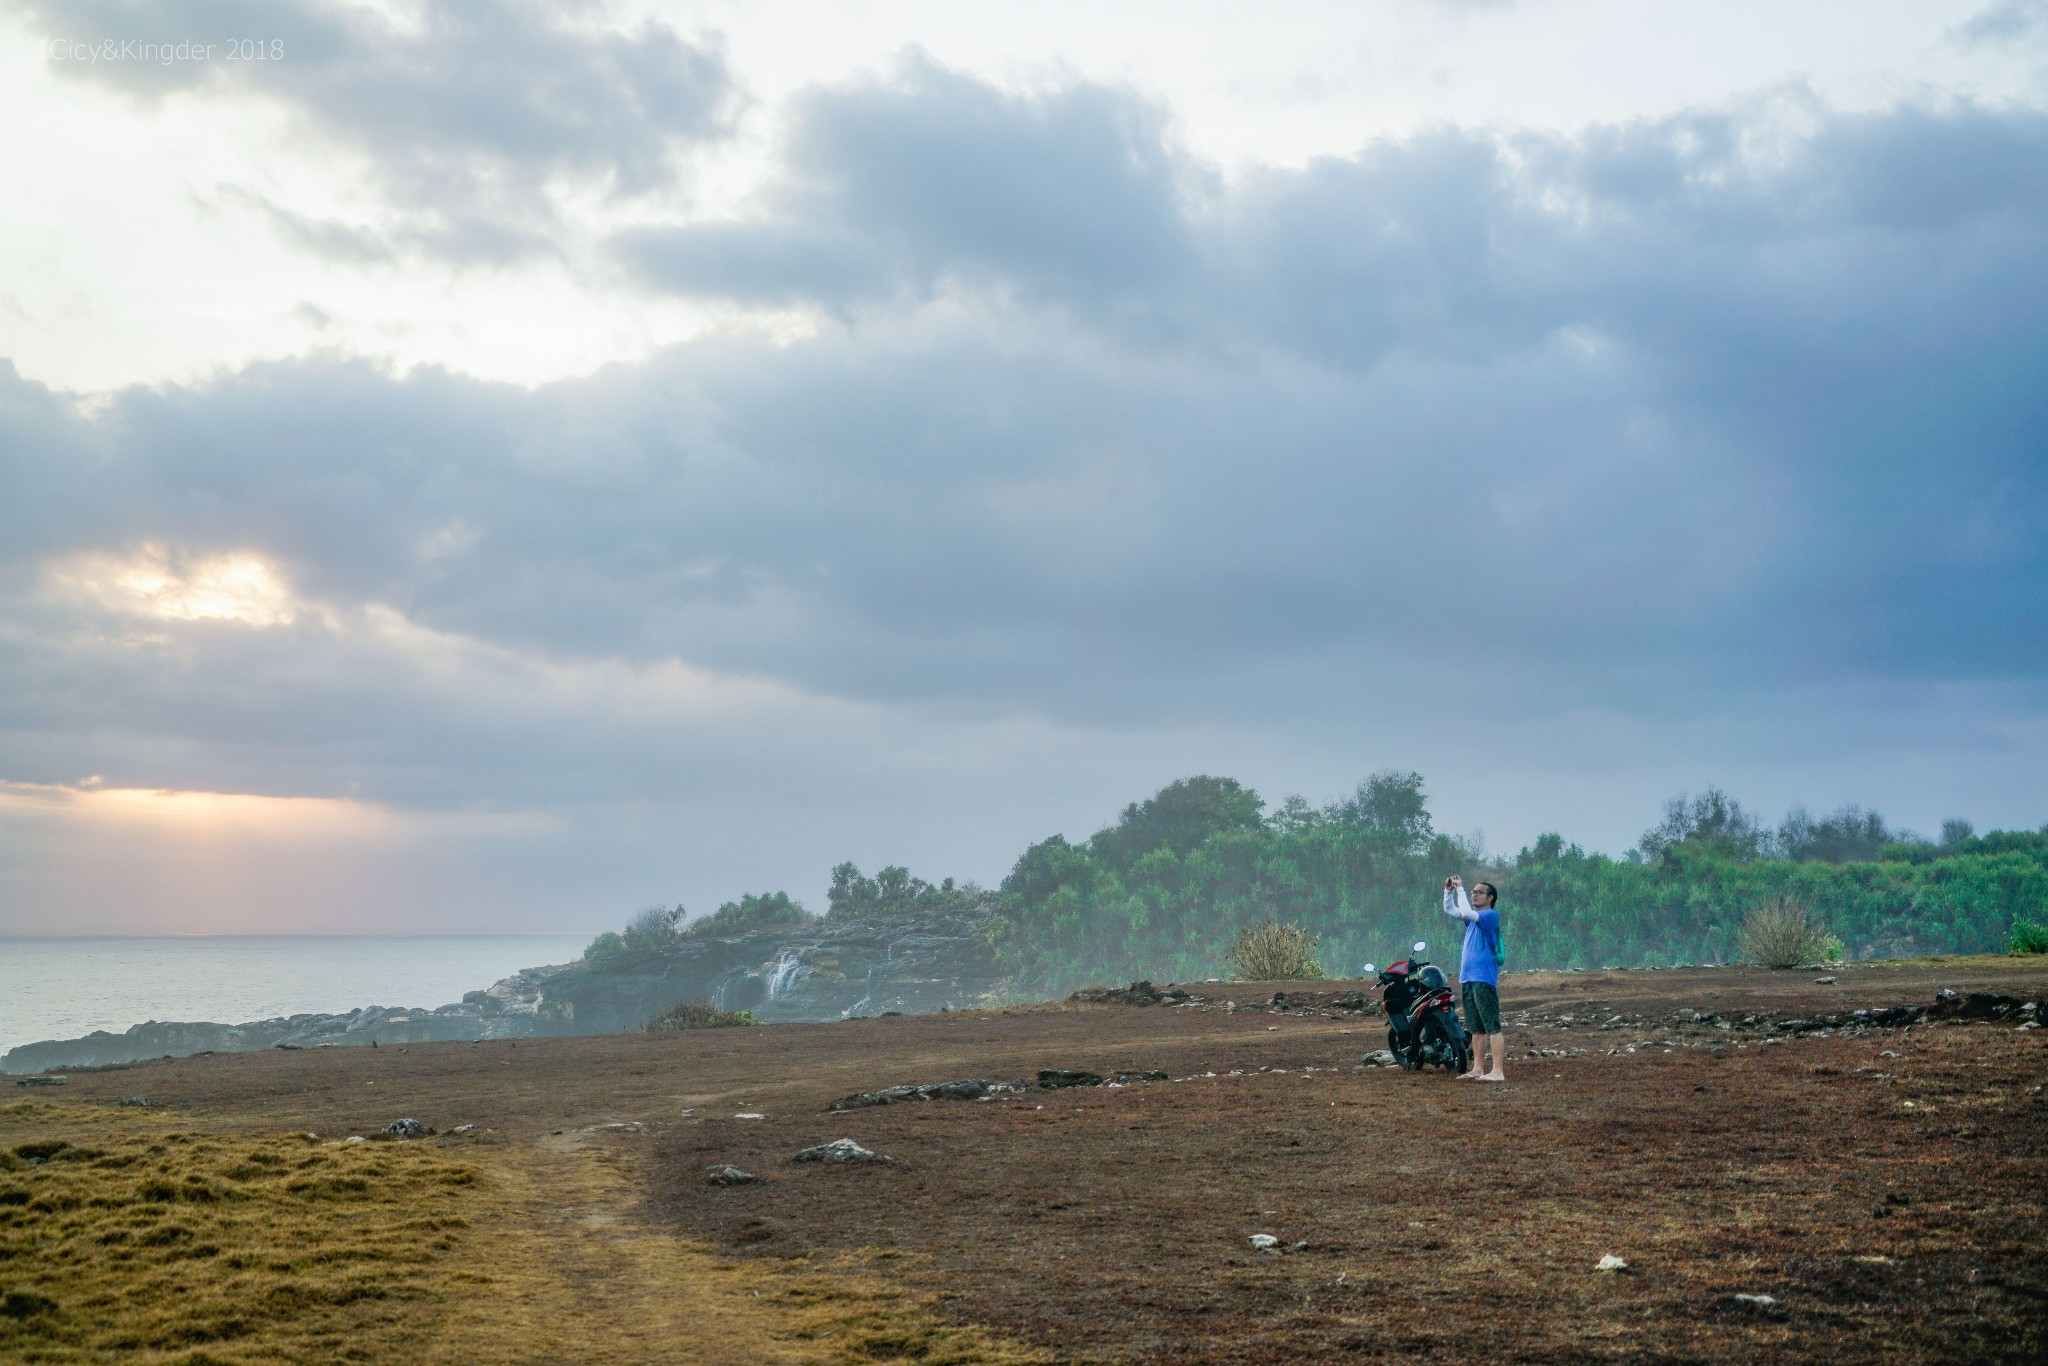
x: 62, y: 988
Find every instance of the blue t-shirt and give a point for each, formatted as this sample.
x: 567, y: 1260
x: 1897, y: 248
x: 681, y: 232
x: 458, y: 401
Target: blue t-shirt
x: 1482, y: 937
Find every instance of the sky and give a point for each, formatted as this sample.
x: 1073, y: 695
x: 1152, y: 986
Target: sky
x: 483, y: 469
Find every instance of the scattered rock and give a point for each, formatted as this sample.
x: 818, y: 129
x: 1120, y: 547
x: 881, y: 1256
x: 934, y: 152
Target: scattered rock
x: 404, y: 1128
x: 749, y: 1114
x: 353, y: 1139
x: 1382, y: 1058
x: 1757, y: 1301
x: 135, y: 1103
x: 839, y: 1150
x: 724, y: 1174
x: 1052, y: 1078
x: 42, y: 1081
x: 1819, y: 982
x: 463, y: 1129
x: 1265, y: 1242
x: 1136, y: 994
x: 1977, y: 1005
x: 971, y: 1088
x: 1127, y: 1078
x: 1611, y: 1263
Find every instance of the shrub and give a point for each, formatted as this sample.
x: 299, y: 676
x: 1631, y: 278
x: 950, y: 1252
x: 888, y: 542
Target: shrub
x: 697, y: 1013
x: 1272, y: 952
x: 1784, y: 933
x: 2028, y: 936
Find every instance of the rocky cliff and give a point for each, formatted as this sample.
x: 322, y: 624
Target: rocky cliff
x: 827, y: 970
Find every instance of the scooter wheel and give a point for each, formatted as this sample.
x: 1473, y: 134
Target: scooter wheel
x: 1443, y: 1040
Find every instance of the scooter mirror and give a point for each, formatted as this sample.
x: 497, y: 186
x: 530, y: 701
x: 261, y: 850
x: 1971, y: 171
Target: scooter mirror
x: 1369, y: 971
x: 1421, y: 946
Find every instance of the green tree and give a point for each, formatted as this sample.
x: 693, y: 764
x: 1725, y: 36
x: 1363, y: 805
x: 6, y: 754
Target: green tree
x: 753, y: 911
x: 893, y: 891
x: 1180, y: 816
x: 1713, y: 820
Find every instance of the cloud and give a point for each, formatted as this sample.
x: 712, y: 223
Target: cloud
x: 896, y: 186
x: 470, y: 120
x: 2002, y: 24
x: 1683, y: 444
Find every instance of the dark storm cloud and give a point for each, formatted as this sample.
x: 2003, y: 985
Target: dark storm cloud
x: 1669, y: 419
x: 468, y: 115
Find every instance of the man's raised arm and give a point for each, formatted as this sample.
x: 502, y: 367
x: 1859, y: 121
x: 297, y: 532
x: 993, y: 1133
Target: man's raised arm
x: 1456, y: 904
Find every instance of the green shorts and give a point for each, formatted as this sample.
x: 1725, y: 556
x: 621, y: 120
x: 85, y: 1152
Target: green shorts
x: 1482, y: 1008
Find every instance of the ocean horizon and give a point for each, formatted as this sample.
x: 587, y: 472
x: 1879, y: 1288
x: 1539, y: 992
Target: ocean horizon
x: 66, y: 986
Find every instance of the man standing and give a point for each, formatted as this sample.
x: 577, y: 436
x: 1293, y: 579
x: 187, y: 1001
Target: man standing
x: 1479, y: 974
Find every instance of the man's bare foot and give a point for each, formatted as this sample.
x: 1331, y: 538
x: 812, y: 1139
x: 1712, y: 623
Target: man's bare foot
x: 1470, y: 1076
x: 1492, y: 1076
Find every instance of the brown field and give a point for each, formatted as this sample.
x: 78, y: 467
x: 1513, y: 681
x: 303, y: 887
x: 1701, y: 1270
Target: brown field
x: 1886, y: 1191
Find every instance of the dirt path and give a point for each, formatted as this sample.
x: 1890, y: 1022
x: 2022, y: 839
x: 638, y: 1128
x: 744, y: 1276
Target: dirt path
x: 583, y: 1279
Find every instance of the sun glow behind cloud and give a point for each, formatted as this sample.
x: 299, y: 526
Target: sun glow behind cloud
x: 154, y: 582
x: 160, y: 860
x: 193, y: 812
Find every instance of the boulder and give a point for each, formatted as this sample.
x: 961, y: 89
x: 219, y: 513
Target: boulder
x: 725, y: 1174
x: 404, y: 1128
x: 1052, y: 1078
x: 839, y: 1150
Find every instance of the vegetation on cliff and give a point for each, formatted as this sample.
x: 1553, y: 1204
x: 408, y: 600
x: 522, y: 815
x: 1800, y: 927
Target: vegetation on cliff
x: 1168, y: 889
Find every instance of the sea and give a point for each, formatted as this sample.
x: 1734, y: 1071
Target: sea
x: 56, y: 988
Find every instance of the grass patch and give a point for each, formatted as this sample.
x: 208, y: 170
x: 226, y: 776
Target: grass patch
x: 133, y: 1238
x: 138, y: 1240
x: 2028, y: 936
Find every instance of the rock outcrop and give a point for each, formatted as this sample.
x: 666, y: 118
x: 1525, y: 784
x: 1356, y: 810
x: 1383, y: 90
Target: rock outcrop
x: 826, y: 970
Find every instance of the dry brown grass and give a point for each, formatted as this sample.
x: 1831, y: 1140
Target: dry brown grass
x: 129, y: 1238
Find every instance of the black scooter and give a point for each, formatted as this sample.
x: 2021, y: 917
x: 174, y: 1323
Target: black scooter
x: 1422, y: 1018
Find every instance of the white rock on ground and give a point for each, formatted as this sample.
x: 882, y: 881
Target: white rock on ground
x: 1611, y: 1263
x: 839, y: 1150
